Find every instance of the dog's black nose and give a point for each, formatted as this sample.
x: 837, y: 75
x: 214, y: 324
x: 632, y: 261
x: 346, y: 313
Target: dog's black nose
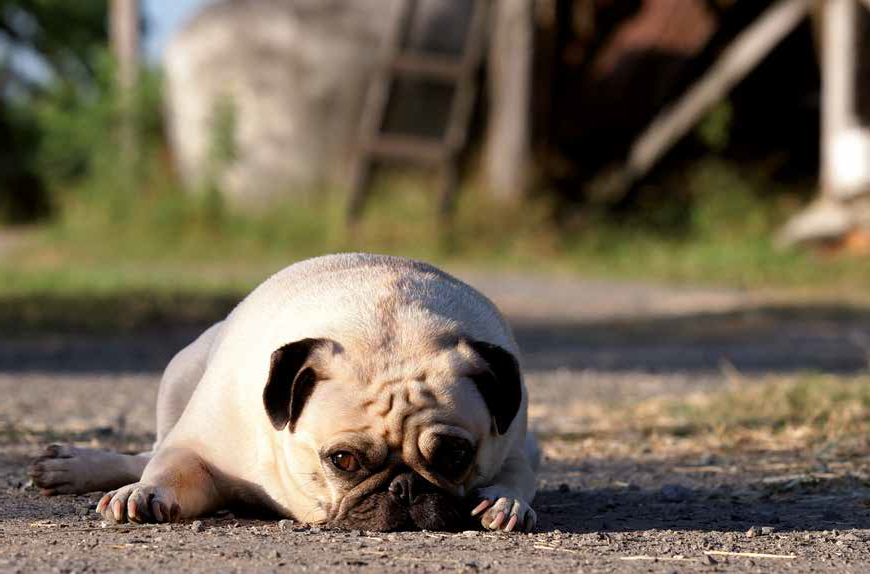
x: 404, y: 487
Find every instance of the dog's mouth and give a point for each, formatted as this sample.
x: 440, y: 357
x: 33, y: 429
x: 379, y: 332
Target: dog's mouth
x: 383, y: 511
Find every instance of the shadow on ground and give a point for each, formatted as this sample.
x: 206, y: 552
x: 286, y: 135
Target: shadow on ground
x: 735, y: 505
x: 141, y: 332
x: 795, y: 503
x: 610, y: 510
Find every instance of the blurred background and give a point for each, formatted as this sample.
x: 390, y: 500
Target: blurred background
x: 171, y: 146
x: 667, y: 198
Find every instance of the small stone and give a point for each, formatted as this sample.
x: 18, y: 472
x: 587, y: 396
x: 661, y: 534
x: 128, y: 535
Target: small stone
x: 315, y: 530
x: 356, y: 533
x: 197, y: 526
x: 285, y: 524
x: 469, y: 533
x: 276, y: 554
x: 709, y: 560
x: 767, y: 530
x: 753, y: 532
x: 852, y: 537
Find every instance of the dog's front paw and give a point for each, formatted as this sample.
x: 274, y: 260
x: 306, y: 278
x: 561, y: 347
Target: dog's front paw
x: 504, y: 510
x: 140, y: 502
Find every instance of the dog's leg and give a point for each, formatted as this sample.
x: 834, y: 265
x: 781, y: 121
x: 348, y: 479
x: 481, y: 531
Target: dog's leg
x: 176, y: 484
x: 505, y: 503
x: 64, y: 469
x: 180, y: 379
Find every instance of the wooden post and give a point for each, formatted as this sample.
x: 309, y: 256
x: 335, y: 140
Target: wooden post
x: 839, y: 122
x: 844, y: 145
x: 510, y: 75
x: 124, y: 40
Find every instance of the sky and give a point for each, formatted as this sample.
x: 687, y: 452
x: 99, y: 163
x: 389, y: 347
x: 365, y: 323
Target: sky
x: 164, y: 18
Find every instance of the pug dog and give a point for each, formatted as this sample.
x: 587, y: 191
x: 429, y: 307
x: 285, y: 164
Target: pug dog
x: 352, y: 390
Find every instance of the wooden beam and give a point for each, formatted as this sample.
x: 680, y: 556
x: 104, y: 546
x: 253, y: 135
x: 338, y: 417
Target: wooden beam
x: 124, y: 32
x: 736, y: 61
x: 509, y: 74
x: 124, y: 40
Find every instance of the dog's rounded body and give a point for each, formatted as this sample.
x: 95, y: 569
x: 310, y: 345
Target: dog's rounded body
x: 358, y: 390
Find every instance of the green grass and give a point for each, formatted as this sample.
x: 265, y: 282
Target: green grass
x: 717, y: 229
x: 117, y: 232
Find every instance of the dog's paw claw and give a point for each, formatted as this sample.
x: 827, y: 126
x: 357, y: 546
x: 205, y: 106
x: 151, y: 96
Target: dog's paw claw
x: 139, y: 502
x: 504, y: 511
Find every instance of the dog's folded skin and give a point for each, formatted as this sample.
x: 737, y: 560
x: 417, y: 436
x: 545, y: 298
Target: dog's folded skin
x: 353, y: 390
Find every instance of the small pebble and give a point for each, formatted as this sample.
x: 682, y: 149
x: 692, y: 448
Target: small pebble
x: 276, y: 554
x: 285, y: 524
x: 197, y: 526
x: 766, y: 530
x: 709, y: 560
x: 753, y: 532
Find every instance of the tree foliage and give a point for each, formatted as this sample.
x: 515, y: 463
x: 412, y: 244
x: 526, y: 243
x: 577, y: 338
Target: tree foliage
x: 65, y: 36
x: 50, y: 51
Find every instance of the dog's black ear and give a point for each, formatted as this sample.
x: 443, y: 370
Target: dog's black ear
x: 500, y: 383
x: 290, y: 382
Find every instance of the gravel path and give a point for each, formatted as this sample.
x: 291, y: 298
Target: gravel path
x: 584, y: 343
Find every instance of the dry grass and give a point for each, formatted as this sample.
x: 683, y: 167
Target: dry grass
x: 813, y: 413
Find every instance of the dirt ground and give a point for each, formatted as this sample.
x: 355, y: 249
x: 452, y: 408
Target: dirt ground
x: 606, y: 502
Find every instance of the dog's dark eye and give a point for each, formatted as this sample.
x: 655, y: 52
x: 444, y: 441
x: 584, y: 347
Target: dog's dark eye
x: 452, y: 457
x: 345, y: 461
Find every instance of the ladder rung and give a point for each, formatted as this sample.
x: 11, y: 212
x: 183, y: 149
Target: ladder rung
x: 438, y: 67
x: 407, y: 148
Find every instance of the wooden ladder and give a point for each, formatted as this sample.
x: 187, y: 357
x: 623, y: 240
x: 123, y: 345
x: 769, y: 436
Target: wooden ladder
x: 398, y: 61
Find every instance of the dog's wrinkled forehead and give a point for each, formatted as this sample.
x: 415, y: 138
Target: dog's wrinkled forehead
x: 409, y: 382
x: 394, y: 402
